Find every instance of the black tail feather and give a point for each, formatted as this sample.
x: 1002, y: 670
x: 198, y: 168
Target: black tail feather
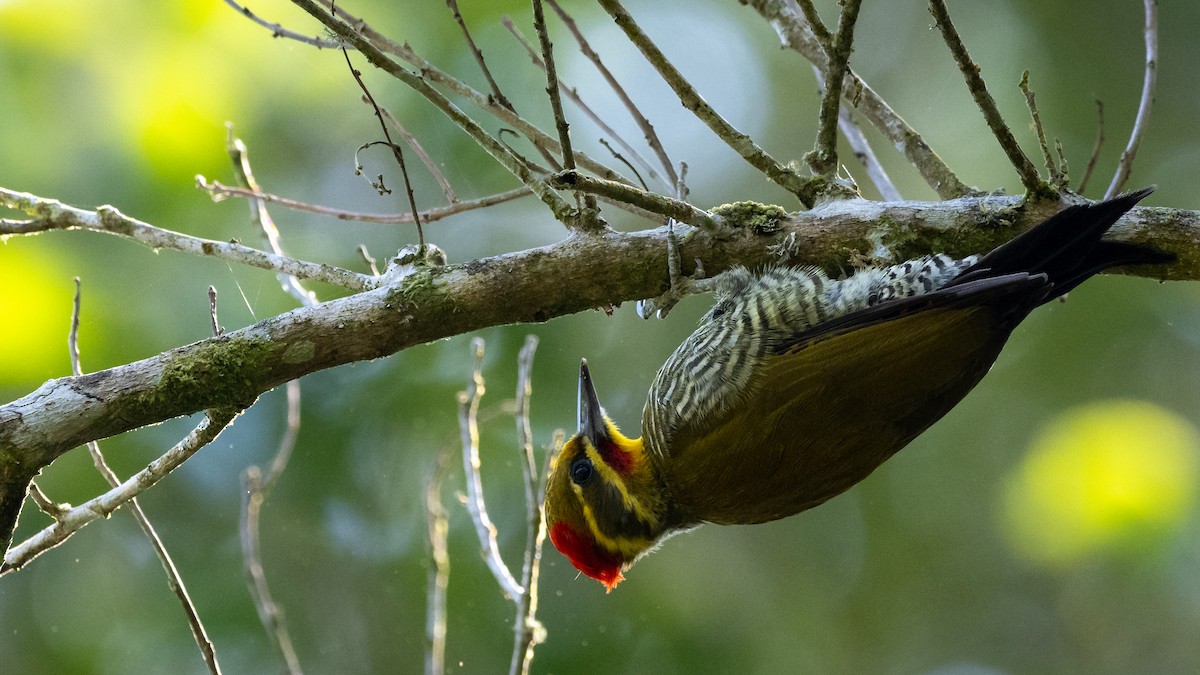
x: 1067, y: 247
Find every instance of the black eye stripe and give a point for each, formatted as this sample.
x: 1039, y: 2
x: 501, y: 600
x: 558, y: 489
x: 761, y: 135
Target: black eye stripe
x: 582, y: 471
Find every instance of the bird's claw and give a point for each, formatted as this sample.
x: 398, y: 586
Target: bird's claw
x: 681, y: 287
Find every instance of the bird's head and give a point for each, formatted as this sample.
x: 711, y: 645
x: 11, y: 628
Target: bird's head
x: 604, y: 503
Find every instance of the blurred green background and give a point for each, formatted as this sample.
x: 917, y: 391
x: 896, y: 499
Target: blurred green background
x: 1048, y: 524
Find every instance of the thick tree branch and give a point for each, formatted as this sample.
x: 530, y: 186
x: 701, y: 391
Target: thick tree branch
x: 233, y: 369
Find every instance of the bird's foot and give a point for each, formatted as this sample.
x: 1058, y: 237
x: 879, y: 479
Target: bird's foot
x: 681, y: 286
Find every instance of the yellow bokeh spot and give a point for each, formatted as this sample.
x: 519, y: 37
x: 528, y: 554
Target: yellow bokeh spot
x: 1106, y: 476
x: 35, y: 316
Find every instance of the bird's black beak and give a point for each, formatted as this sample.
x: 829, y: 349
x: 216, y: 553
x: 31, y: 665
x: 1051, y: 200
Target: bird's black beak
x: 591, y: 415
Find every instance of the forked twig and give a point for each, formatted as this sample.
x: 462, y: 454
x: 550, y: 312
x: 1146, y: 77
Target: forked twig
x: 277, y: 30
x: 397, y: 151
x: 47, y: 506
x: 468, y: 424
x: 795, y: 32
x: 643, y: 123
x: 256, y: 486
x: 1057, y: 177
x: 102, y: 506
x: 528, y: 631
x: 51, y: 214
x: 570, y: 92
x: 434, y: 75
x: 983, y: 99
x: 174, y: 581
x: 823, y: 158
x: 418, y: 83
x: 784, y: 176
x: 478, y: 54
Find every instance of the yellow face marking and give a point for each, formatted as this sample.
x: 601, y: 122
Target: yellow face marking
x: 628, y: 547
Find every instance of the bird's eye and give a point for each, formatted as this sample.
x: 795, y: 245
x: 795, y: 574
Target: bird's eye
x: 582, y: 471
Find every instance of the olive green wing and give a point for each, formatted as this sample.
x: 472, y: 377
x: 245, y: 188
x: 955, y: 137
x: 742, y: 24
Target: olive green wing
x: 833, y: 403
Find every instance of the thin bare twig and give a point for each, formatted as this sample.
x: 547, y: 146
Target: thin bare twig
x: 1091, y: 165
x: 1150, y: 35
x: 587, y: 218
x: 256, y: 486
x: 436, y: 76
x: 220, y: 191
x: 212, y: 310
x: 262, y: 219
x: 468, y: 424
x: 102, y: 506
x: 620, y: 158
x: 560, y: 119
x: 278, y: 31
x: 1052, y: 172
x: 816, y: 25
x: 430, y: 165
x: 256, y: 489
x: 987, y: 105
x: 1064, y: 170
x: 620, y: 192
x: 866, y: 156
x: 784, y: 176
x: 528, y: 631
x: 174, y: 581
x: 47, y: 506
x: 643, y: 123
x: 478, y: 54
x: 823, y: 158
x: 438, y: 521
x: 397, y: 151
x: 369, y: 259
x: 796, y: 33
x: 850, y: 129
x: 419, y: 83
x: 571, y: 94
x: 51, y: 214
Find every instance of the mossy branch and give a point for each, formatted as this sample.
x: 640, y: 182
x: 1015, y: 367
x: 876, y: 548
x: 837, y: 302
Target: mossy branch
x: 233, y: 369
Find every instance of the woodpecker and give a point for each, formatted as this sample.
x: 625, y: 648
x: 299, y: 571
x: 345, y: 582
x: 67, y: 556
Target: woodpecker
x: 796, y: 386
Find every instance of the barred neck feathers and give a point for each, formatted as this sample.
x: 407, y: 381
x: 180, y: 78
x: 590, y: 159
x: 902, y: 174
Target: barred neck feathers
x: 876, y: 285
x: 713, y: 370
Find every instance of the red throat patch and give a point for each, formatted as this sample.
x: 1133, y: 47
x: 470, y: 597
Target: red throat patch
x: 587, y: 556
